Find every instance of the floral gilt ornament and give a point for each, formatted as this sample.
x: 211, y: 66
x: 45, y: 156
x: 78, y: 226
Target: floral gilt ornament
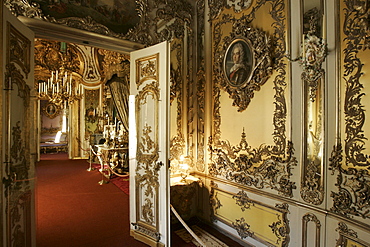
x: 314, y: 52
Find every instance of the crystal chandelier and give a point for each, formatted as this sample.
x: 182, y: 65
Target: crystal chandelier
x: 59, y: 89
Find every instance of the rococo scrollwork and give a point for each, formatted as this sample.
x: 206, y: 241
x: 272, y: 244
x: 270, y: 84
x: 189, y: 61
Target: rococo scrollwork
x: 281, y: 228
x: 257, y: 167
x: 245, y: 63
x: 348, y: 237
x: 348, y: 159
x: 268, y: 166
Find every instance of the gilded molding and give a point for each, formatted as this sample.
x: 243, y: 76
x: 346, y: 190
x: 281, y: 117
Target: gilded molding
x: 260, y: 68
x: 147, y: 69
x: 314, y: 52
x: 258, y: 167
x: 242, y: 227
x: 19, y: 49
x: 201, y: 140
x: 280, y: 228
x: 148, y: 232
x: 268, y: 166
x: 305, y: 220
x: 27, y: 9
x: 348, y: 237
x: 243, y: 200
x: 349, y: 161
x: 312, y: 189
x: 87, y: 24
x: 200, y: 87
x: 173, y: 15
x: 20, y: 211
x: 113, y: 63
x: 216, y: 6
x: 18, y: 149
x: 214, y: 202
x: 147, y: 169
x: 14, y: 76
x: 177, y: 142
x: 33, y: 10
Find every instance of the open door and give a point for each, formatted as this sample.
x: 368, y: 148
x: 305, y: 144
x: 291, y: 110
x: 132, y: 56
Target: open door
x: 149, y: 145
x: 18, y: 145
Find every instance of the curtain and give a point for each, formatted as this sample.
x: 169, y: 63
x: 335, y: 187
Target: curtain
x: 120, y: 90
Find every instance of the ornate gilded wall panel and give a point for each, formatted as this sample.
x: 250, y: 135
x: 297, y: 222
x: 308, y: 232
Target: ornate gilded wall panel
x: 305, y: 221
x: 314, y: 51
x: 271, y: 227
x: 348, y: 237
x: 19, y: 49
x: 266, y: 166
x: 350, y: 161
x: 17, y: 181
x: 146, y: 174
x: 92, y: 124
x: 177, y: 79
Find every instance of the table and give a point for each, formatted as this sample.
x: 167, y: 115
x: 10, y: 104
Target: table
x: 113, y: 161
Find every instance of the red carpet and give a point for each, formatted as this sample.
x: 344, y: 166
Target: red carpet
x: 123, y: 183
x: 74, y: 210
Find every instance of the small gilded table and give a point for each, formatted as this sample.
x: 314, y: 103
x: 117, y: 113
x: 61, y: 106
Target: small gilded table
x: 113, y: 160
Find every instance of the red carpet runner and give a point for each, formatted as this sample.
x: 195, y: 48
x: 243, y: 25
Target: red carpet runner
x: 74, y: 210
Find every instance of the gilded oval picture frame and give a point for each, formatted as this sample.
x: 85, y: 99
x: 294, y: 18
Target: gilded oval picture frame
x: 51, y: 110
x: 238, y: 64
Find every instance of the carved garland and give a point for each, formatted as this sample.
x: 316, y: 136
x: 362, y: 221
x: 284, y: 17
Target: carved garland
x: 353, y: 179
x: 266, y: 166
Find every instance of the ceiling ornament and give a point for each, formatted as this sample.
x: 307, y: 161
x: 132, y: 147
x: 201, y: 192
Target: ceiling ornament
x: 113, y: 63
x: 216, y: 6
x: 27, y: 9
x: 161, y: 21
x: 348, y: 160
x: 33, y: 10
x: 90, y: 74
x: 87, y: 24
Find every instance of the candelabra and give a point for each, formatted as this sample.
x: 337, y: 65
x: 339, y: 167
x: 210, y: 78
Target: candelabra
x: 59, y: 88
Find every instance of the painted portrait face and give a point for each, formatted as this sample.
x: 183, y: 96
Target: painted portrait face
x: 236, y: 54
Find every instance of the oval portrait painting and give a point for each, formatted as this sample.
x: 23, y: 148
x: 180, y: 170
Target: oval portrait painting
x: 238, y: 62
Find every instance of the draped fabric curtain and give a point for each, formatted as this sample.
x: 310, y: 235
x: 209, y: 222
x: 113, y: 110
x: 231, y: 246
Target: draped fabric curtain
x: 120, y: 90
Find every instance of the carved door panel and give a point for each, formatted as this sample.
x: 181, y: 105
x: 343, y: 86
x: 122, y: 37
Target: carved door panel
x: 17, y: 115
x: 149, y: 145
